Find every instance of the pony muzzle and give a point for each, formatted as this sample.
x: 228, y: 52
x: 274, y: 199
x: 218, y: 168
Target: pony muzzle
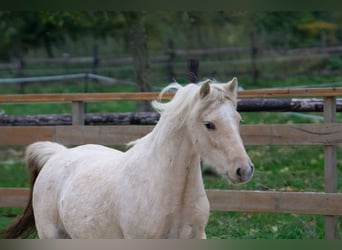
x: 241, y: 174
x: 244, y: 174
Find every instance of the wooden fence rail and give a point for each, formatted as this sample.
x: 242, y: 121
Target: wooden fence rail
x: 252, y: 57
x: 271, y: 134
x: 236, y: 201
x: 178, y: 52
x: 328, y: 134
x: 148, y: 96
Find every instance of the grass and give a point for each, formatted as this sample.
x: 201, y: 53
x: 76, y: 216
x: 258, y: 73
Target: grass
x: 281, y: 168
x: 229, y: 225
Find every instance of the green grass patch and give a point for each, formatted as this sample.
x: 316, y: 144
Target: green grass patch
x: 237, y: 225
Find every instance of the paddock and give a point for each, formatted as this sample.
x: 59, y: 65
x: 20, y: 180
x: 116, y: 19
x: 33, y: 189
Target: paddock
x: 327, y: 134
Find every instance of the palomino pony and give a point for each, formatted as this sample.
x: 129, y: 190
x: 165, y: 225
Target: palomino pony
x: 154, y: 189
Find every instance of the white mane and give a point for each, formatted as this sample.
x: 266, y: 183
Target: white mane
x: 179, y: 106
x: 173, y: 110
x: 184, y: 99
x: 178, y: 109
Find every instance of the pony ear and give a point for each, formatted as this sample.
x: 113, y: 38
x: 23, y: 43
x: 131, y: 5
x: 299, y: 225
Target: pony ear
x: 232, y: 86
x: 205, y: 89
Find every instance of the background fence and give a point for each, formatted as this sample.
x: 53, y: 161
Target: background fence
x: 255, y: 62
x: 328, y: 134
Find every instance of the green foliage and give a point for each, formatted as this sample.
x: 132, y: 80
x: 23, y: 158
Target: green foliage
x: 21, y: 31
x: 189, y: 29
x: 335, y: 63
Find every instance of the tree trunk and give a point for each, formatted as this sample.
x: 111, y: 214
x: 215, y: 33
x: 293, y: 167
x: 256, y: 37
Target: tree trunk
x: 138, y: 46
x: 48, y: 47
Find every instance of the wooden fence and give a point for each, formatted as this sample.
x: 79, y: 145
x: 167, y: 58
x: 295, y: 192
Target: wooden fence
x: 252, y: 56
x: 328, y: 134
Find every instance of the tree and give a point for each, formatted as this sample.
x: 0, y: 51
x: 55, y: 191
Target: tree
x: 22, y: 31
x: 138, y: 47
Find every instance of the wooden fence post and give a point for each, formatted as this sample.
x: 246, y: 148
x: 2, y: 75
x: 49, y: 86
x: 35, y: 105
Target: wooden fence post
x: 77, y: 113
x: 20, y: 70
x: 96, y: 59
x: 193, y: 70
x: 169, y: 64
x: 330, y: 167
x: 254, y: 52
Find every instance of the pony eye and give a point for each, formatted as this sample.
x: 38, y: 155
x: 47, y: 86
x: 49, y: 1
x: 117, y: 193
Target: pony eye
x: 209, y: 125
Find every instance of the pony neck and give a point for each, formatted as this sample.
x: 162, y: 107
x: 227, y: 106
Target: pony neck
x: 181, y: 168
x: 172, y: 141
x: 173, y: 157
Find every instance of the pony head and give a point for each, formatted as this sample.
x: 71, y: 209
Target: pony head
x: 208, y: 111
x: 216, y: 131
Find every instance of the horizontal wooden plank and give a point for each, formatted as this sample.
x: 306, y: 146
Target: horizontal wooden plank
x: 72, y: 135
x: 292, y: 134
x: 136, y: 96
x: 287, y: 93
x: 267, y: 134
x: 235, y: 201
x: 85, y: 97
x: 276, y: 202
x: 251, y: 134
x: 106, y: 135
x: 26, y: 135
x: 13, y: 197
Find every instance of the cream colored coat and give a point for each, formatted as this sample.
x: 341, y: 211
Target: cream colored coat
x: 155, y: 189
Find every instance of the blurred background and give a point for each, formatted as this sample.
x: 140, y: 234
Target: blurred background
x: 150, y: 49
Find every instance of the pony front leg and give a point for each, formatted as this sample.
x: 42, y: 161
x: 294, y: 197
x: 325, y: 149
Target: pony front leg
x: 204, y: 235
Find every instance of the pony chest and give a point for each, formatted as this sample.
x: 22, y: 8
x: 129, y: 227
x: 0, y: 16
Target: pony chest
x: 187, y: 225
x: 172, y: 222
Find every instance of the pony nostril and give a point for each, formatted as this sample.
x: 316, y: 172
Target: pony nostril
x: 238, y: 172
